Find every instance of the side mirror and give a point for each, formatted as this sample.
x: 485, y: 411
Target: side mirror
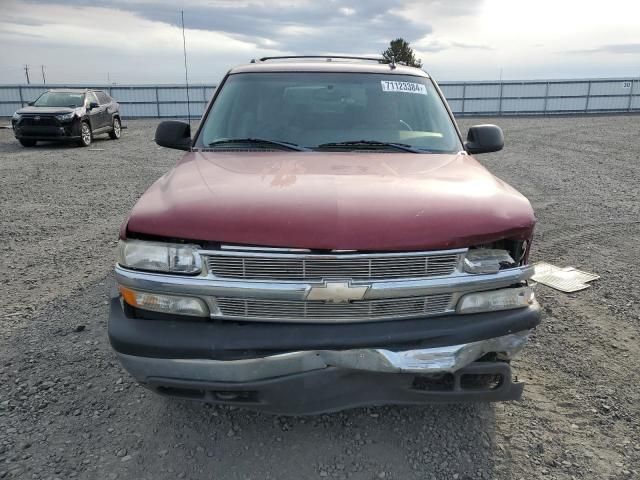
x: 93, y: 105
x: 484, y: 139
x: 31, y: 104
x: 174, y: 134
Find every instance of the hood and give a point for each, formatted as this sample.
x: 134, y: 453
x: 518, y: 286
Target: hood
x: 334, y: 201
x: 45, y: 110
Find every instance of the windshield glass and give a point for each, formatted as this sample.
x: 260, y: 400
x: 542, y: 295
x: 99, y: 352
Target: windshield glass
x: 312, y: 109
x: 60, y: 99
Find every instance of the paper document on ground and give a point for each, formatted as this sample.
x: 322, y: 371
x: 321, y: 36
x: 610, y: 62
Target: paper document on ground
x: 567, y: 279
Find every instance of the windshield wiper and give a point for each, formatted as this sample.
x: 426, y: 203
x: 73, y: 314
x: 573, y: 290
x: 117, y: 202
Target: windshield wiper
x: 287, y: 145
x: 356, y: 143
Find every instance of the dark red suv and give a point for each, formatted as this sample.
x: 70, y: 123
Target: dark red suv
x: 327, y: 242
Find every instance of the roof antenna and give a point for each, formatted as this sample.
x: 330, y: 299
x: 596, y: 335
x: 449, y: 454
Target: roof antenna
x: 393, y: 62
x: 186, y: 75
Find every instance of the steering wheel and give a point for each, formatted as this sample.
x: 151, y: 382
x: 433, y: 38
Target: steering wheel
x: 406, y: 124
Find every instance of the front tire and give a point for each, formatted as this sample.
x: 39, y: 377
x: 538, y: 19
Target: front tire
x: 85, y: 135
x: 117, y: 129
x: 27, y: 143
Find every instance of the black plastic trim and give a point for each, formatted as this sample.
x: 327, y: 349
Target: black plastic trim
x: 61, y: 138
x: 333, y: 389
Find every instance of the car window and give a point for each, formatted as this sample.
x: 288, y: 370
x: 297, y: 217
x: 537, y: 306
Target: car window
x: 103, y: 98
x: 91, y: 98
x: 311, y: 109
x: 60, y: 99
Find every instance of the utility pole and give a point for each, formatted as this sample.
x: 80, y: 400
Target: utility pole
x: 44, y: 79
x: 26, y: 72
x: 186, y: 75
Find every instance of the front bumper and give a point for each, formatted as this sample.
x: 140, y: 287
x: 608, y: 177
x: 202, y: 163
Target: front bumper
x: 447, y: 359
x: 313, y: 368
x: 332, y: 389
x: 54, y: 130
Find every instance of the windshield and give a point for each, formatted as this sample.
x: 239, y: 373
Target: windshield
x: 311, y: 110
x: 60, y: 99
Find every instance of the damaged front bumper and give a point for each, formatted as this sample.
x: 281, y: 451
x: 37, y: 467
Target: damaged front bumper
x: 333, y: 389
x: 446, y: 359
x: 316, y: 368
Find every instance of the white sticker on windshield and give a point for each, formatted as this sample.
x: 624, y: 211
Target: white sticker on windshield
x: 405, y: 87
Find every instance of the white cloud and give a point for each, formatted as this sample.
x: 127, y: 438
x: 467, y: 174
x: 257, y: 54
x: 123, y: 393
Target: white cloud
x: 100, y: 27
x: 140, y: 41
x: 529, y: 39
x: 89, y: 44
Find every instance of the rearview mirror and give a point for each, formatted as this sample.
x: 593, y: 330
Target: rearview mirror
x: 484, y: 139
x: 174, y: 134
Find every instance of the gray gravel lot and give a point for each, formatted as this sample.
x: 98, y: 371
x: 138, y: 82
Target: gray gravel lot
x: 67, y: 409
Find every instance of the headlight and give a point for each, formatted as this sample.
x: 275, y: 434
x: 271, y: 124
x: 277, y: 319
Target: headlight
x: 504, y: 299
x: 65, y: 117
x: 159, y: 302
x: 16, y: 116
x: 159, y: 257
x: 487, y: 260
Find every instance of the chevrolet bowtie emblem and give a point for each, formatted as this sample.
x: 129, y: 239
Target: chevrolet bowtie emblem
x: 337, y: 292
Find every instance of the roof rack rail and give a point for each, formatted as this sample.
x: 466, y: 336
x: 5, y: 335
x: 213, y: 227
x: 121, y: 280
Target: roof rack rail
x: 327, y: 57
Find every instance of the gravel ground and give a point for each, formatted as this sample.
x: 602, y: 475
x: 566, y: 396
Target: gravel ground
x: 67, y: 409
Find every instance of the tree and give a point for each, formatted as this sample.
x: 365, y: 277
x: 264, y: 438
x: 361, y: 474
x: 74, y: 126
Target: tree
x: 402, y: 52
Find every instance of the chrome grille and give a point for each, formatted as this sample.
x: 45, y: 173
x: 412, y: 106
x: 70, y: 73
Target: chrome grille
x: 279, y: 310
x: 305, y: 267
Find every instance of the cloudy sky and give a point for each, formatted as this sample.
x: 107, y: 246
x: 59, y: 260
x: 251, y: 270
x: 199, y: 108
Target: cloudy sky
x: 139, y: 41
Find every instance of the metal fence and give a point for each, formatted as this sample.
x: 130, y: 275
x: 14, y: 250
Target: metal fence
x: 136, y: 101
x: 529, y: 97
x: 536, y: 97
